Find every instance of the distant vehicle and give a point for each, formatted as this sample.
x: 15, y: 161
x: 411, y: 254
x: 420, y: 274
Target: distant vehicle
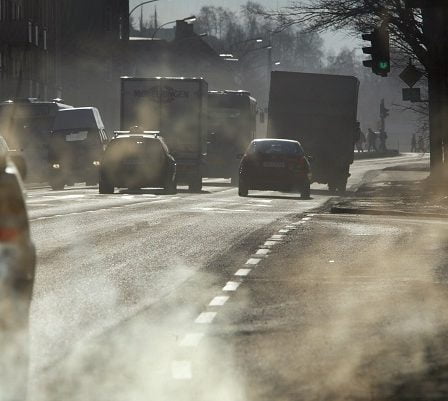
x: 275, y: 165
x: 231, y: 127
x: 137, y: 159
x: 177, y: 107
x: 26, y: 125
x: 17, y: 267
x: 77, y: 142
x: 320, y: 112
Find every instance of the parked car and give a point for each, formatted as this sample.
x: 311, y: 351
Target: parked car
x: 137, y: 159
x: 274, y: 164
x: 77, y: 142
x: 17, y: 266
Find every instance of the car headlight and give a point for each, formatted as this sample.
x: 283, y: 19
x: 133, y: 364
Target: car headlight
x: 56, y: 166
x: 96, y: 163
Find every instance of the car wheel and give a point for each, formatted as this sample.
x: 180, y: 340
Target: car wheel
x: 243, y: 190
x: 57, y: 184
x: 306, y: 191
x: 195, y: 184
x: 332, y: 186
x: 105, y: 186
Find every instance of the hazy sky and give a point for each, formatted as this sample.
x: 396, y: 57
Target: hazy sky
x: 169, y: 10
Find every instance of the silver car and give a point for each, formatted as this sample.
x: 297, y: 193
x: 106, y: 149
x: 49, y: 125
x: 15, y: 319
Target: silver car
x: 17, y: 266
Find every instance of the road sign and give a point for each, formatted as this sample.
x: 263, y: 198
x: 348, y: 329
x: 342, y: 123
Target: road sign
x: 410, y: 75
x: 412, y: 95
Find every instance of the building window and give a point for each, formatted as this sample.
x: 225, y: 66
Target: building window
x: 30, y: 32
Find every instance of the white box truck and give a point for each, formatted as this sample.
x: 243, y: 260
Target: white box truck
x: 177, y: 107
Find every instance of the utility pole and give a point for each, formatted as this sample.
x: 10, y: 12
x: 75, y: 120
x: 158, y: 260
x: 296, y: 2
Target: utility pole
x: 434, y: 26
x: 435, y: 30
x: 384, y: 113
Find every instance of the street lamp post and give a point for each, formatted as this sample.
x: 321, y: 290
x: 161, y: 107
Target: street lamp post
x: 188, y: 20
x: 140, y: 5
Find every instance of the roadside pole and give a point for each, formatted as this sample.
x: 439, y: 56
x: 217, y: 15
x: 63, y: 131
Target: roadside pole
x: 435, y: 20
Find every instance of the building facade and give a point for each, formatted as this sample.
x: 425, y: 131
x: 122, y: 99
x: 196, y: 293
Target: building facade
x: 76, y: 50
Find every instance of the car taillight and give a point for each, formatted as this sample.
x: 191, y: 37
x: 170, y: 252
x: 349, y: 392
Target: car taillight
x: 9, y: 234
x: 297, y: 163
x: 13, y: 216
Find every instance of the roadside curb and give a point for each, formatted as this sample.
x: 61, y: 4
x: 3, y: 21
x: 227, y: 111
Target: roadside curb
x: 375, y: 155
x: 385, y: 212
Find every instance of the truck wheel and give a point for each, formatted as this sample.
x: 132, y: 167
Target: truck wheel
x: 105, y: 186
x: 306, y: 191
x: 171, y: 187
x: 243, y: 190
x: 342, y: 185
x: 195, y: 184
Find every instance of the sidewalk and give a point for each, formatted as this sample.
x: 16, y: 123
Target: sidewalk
x: 396, y: 191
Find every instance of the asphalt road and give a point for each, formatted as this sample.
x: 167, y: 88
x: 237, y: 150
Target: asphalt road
x: 122, y: 281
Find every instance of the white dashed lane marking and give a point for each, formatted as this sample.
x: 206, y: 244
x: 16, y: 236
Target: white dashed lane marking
x: 263, y: 252
x: 181, y: 370
x: 231, y: 286
x: 277, y: 237
x: 219, y: 301
x: 243, y: 272
x: 205, y: 317
x: 253, y: 261
x: 270, y: 243
x: 191, y: 340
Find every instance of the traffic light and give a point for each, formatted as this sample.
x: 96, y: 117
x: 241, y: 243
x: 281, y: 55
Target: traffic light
x: 379, y: 50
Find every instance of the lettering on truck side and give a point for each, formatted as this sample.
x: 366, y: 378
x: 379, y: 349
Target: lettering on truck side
x: 165, y: 94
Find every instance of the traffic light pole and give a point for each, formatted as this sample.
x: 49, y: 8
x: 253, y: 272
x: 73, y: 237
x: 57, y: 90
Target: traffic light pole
x: 434, y: 27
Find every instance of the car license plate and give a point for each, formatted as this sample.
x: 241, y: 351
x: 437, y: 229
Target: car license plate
x: 274, y: 164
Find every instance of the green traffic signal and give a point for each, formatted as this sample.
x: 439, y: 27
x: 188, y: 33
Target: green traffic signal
x: 378, y: 50
x: 384, y: 65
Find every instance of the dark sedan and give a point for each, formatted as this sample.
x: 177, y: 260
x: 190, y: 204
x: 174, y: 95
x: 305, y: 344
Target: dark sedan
x: 135, y: 160
x: 276, y: 165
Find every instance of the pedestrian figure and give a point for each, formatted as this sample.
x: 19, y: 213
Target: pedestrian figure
x: 383, y: 137
x: 361, y: 141
x: 413, y: 143
x: 421, y: 144
x: 371, y: 141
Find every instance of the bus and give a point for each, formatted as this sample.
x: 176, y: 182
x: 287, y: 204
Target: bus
x: 232, y: 117
x: 26, y: 125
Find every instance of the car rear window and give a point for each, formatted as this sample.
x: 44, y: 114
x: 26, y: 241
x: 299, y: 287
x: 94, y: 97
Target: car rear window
x: 276, y: 147
x: 123, y: 147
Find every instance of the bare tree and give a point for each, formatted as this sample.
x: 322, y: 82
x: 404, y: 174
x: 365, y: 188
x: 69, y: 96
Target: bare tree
x: 357, y: 16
